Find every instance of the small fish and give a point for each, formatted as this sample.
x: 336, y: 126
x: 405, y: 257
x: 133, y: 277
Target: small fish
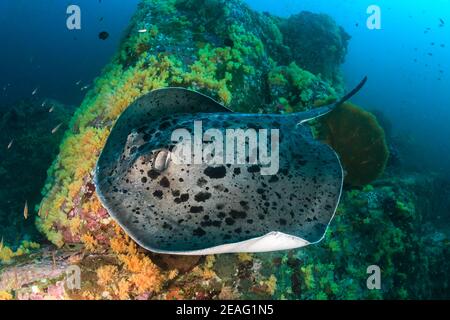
x: 51, y: 110
x: 25, y: 210
x: 78, y: 83
x: 35, y: 91
x: 103, y: 35
x: 84, y: 88
x: 142, y: 31
x: 442, y: 23
x: 43, y: 104
x: 10, y: 144
x: 55, y: 130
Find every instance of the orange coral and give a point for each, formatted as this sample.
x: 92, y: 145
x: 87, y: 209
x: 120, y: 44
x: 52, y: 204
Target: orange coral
x: 106, y: 274
x: 89, y: 242
x: 145, y: 275
x: 359, y: 140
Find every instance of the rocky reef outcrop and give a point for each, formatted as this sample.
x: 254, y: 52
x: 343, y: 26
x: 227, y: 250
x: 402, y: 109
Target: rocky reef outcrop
x: 254, y: 63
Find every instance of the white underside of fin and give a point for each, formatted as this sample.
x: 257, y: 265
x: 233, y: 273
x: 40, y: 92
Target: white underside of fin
x: 273, y: 241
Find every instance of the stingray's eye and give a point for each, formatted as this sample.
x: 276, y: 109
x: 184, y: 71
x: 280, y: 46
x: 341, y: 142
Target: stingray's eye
x: 162, y: 160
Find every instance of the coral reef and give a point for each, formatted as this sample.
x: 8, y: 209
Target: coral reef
x: 226, y: 58
x: 321, y: 54
x: 379, y: 225
x: 249, y: 61
x: 359, y: 140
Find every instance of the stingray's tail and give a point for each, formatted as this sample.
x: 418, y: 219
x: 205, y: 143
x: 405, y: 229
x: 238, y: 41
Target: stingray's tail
x: 353, y: 92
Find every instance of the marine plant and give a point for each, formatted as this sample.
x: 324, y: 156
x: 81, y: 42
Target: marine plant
x: 359, y: 140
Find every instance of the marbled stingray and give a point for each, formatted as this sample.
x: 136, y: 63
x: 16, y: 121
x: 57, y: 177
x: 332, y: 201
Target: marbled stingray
x: 203, y: 209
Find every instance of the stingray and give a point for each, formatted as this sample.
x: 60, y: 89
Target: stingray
x: 209, y: 207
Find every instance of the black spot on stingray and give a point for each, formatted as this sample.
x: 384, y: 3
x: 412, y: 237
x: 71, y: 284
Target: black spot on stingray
x: 176, y: 193
x: 254, y: 169
x: 153, y: 174
x: 199, y: 232
x: 202, y: 182
x: 220, y: 206
x: 196, y: 209
x: 216, y: 172
x: 158, y: 194
x: 273, y: 179
x: 144, y: 179
x: 202, y: 196
x: 238, y: 214
x: 244, y: 204
x: 302, y: 162
x: 165, y: 183
x: 238, y: 230
x: 183, y: 198
x: 167, y: 226
x: 229, y: 221
x: 221, y: 215
x: 237, y: 171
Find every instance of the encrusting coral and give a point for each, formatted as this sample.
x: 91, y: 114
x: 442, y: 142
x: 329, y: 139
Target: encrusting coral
x: 227, y: 51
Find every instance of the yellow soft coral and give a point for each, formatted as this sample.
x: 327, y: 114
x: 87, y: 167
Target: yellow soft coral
x: 145, y: 276
x: 5, y: 295
x: 106, y: 274
x: 89, y: 242
x: 7, y: 254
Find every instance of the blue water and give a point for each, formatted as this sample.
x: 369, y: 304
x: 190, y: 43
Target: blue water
x: 38, y: 51
x: 415, y: 95
x: 407, y: 83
